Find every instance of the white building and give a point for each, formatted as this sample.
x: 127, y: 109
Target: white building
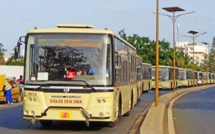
x: 195, y: 50
x: 180, y: 46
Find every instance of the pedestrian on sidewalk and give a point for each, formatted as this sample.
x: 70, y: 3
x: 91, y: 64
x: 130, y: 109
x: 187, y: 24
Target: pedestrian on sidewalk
x: 7, y: 88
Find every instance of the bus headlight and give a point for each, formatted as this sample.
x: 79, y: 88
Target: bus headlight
x: 32, y: 112
x: 35, y: 99
x: 101, y: 114
x: 103, y: 100
x: 25, y: 98
x: 29, y: 99
x: 99, y: 100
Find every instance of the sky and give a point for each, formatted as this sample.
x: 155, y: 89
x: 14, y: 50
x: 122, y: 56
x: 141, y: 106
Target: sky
x: 134, y: 16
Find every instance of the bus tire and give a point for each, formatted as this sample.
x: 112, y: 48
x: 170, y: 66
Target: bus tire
x: 143, y: 87
x: 171, y: 86
x: 138, y: 93
x: 46, y: 123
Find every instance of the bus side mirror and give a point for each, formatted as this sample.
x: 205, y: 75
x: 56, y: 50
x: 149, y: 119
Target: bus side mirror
x: 17, y: 47
x: 16, y: 52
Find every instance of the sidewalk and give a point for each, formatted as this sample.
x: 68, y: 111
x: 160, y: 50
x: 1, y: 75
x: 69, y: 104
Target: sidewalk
x: 154, y: 121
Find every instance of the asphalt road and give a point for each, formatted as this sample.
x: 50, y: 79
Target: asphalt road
x: 11, y: 121
x: 194, y: 113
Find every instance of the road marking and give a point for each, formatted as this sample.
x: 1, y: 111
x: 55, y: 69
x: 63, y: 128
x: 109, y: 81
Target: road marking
x: 171, y: 128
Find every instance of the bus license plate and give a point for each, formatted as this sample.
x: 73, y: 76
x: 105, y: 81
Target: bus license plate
x: 65, y: 115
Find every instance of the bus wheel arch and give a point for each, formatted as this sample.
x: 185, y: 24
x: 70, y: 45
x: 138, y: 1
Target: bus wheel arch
x: 131, y: 105
x: 117, y: 113
x: 142, y: 87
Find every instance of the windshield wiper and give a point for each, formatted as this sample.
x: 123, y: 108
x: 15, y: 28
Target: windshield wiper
x: 47, y: 84
x: 86, y: 84
x: 43, y: 85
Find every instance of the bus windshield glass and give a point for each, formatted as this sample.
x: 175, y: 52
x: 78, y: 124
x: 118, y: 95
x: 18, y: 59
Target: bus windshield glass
x: 163, y: 74
x: 182, y: 75
x: 68, y: 58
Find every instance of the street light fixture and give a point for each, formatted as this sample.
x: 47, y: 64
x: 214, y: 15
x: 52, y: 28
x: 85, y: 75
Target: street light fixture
x: 193, y: 32
x: 173, y: 18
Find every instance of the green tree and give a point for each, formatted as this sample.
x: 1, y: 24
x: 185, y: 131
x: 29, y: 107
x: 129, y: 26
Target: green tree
x: 2, y: 50
x: 204, y: 66
x: 13, y: 61
x: 146, y: 49
x: 212, y: 61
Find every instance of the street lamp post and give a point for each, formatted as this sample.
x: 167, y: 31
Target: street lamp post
x: 173, y: 18
x: 193, y: 32
x: 157, y: 54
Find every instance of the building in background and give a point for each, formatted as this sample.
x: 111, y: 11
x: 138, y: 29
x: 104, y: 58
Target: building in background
x: 181, y: 46
x: 198, y: 50
x: 6, y: 58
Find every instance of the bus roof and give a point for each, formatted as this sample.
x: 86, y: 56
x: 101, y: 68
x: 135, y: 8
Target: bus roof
x: 138, y: 57
x: 77, y: 28
x: 146, y: 64
x: 185, y: 69
x: 165, y: 66
x: 68, y: 28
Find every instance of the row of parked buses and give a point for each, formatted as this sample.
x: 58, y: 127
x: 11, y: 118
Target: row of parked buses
x: 183, y: 77
x: 77, y: 73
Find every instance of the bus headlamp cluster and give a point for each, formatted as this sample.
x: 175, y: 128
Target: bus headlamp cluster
x: 26, y: 112
x: 103, y: 100
x: 30, y: 99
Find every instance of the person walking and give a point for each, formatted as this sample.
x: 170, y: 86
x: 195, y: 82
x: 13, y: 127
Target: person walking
x: 7, y: 88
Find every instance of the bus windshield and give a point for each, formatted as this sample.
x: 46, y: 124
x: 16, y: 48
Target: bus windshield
x: 163, y: 74
x: 67, y: 58
x: 182, y: 75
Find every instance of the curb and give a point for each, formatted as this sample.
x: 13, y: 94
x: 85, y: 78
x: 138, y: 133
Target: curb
x: 153, y: 123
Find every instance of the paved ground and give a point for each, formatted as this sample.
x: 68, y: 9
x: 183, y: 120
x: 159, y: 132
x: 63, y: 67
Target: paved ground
x: 194, y: 113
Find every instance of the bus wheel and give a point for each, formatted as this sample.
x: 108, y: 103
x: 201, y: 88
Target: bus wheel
x: 142, y: 87
x: 138, y: 94
x: 171, y: 86
x: 46, y: 123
